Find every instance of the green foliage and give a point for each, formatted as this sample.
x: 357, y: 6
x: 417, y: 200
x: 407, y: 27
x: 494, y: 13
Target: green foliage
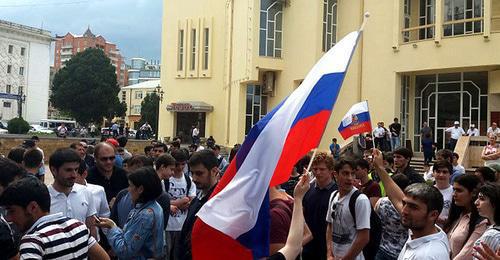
x: 18, y: 126
x: 149, y: 111
x: 86, y: 88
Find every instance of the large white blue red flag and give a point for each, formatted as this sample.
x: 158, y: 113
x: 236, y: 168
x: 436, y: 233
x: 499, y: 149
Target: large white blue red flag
x: 356, y: 121
x: 234, y: 223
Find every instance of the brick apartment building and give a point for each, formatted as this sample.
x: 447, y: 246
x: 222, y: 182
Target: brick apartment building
x: 70, y: 44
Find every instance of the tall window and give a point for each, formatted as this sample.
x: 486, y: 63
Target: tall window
x: 21, y: 70
x: 407, y: 19
x: 11, y: 48
x: 20, y: 90
x: 23, y: 50
x: 271, y: 28
x: 206, y: 41
x: 9, y: 68
x: 457, y: 10
x: 256, y: 106
x: 8, y: 89
x: 427, y: 17
x: 193, y: 49
x: 124, y: 96
x: 180, y: 62
x: 329, y: 24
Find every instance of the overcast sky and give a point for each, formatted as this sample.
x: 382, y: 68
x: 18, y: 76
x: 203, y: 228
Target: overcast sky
x: 133, y: 25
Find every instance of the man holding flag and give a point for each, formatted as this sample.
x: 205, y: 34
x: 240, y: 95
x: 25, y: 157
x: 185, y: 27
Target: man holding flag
x: 234, y: 222
x: 356, y: 121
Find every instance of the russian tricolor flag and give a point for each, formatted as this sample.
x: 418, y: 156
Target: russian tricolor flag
x: 356, y: 121
x: 234, y: 223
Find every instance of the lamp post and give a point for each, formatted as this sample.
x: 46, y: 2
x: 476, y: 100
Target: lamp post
x: 159, y: 92
x: 21, y: 98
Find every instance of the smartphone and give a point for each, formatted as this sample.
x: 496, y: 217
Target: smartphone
x: 97, y: 219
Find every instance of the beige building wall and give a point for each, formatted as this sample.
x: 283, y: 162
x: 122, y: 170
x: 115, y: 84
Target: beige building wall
x: 133, y: 96
x: 374, y: 74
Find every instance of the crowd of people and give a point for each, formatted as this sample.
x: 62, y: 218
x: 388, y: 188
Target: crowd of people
x: 107, y: 203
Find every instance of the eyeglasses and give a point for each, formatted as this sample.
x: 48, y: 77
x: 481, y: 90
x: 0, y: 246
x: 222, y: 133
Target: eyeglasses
x: 111, y: 158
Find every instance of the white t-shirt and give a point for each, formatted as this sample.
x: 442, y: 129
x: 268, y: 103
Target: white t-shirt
x: 435, y: 246
x: 100, y: 201
x: 456, y: 132
x: 79, y: 204
x: 177, y: 190
x: 491, y: 131
x: 474, y: 132
x: 447, y: 196
x: 379, y: 132
x: 344, y: 227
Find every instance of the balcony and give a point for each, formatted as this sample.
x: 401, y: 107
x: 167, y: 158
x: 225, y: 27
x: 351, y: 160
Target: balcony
x: 439, y: 19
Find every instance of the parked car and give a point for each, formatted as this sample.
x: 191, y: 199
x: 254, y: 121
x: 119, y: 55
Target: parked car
x: 132, y: 133
x: 106, y: 132
x: 3, y: 128
x: 40, y: 129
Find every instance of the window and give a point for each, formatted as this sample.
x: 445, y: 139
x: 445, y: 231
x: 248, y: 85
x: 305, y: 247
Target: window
x: 124, y: 96
x: 427, y: 16
x: 329, y: 24
x: 271, y: 28
x: 455, y: 11
x: 8, y: 89
x: 23, y: 50
x: 9, y: 68
x: 407, y: 20
x: 256, y: 106
x: 6, y: 104
x: 206, y: 47
x: 20, y: 90
x: 21, y: 70
x: 11, y: 49
x: 193, y: 49
x: 138, y: 95
x: 136, y: 109
x: 180, y: 62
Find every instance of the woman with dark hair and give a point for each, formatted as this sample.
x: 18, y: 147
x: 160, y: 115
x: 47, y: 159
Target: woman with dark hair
x: 485, y: 174
x: 487, y: 206
x: 142, y: 236
x: 464, y: 225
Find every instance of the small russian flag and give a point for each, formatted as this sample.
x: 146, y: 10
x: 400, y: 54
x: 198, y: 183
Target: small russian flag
x: 356, y: 121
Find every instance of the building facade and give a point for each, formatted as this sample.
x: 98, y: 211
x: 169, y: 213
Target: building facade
x: 429, y: 61
x: 70, y: 44
x: 133, y: 95
x: 140, y: 70
x: 24, y: 71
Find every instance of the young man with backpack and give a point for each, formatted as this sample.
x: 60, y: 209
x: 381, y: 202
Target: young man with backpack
x: 348, y: 231
x: 181, y: 191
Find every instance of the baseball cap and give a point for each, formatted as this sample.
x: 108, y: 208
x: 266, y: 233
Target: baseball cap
x: 112, y: 141
x: 456, y: 123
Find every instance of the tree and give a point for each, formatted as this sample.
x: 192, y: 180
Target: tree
x: 18, y: 126
x: 86, y: 88
x: 149, y: 111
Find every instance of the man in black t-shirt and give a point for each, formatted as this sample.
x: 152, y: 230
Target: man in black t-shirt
x: 395, y: 129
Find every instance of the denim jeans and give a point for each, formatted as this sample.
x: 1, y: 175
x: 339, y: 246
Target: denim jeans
x: 382, y: 255
x: 395, y: 142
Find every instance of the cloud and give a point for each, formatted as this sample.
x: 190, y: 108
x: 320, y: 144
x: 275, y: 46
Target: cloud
x: 134, y: 25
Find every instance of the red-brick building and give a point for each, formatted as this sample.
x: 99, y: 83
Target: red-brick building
x: 70, y: 44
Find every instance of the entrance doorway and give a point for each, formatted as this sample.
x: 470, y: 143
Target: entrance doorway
x: 185, y: 121
x: 444, y: 98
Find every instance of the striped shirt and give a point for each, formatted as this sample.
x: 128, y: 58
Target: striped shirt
x: 491, y: 237
x: 56, y: 237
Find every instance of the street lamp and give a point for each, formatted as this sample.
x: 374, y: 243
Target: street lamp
x: 159, y: 92
x: 21, y: 98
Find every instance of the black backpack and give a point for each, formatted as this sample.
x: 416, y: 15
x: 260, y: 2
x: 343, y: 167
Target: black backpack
x: 370, y: 250
x: 166, y: 183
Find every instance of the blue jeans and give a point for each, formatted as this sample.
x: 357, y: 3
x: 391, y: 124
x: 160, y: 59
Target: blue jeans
x: 395, y: 142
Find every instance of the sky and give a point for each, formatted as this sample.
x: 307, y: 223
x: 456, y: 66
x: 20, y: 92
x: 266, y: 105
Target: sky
x: 133, y: 25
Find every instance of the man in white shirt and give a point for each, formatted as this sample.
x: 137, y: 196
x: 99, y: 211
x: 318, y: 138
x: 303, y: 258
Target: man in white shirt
x: 493, y: 129
x: 379, y: 134
x: 346, y: 237
x: 442, y: 172
x: 195, y: 134
x: 473, y: 131
x: 67, y: 197
x: 456, y: 131
x: 181, y: 191
x: 419, y: 206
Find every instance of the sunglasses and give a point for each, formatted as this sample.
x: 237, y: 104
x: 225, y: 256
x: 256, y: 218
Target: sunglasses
x: 111, y: 158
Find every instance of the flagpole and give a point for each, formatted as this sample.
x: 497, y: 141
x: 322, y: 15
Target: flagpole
x: 366, y: 16
x: 373, y: 136
x: 308, y: 170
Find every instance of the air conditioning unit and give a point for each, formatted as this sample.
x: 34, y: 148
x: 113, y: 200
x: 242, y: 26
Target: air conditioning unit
x: 268, y: 82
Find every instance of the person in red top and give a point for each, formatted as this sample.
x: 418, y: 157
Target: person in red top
x: 368, y: 186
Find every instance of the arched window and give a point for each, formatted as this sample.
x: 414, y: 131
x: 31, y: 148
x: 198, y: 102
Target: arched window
x: 271, y: 28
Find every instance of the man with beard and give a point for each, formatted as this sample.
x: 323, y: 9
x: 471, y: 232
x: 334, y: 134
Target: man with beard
x: 419, y: 206
x: 27, y: 202
x: 67, y: 197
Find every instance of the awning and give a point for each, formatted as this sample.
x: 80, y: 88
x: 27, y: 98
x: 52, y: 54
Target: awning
x: 190, y: 106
